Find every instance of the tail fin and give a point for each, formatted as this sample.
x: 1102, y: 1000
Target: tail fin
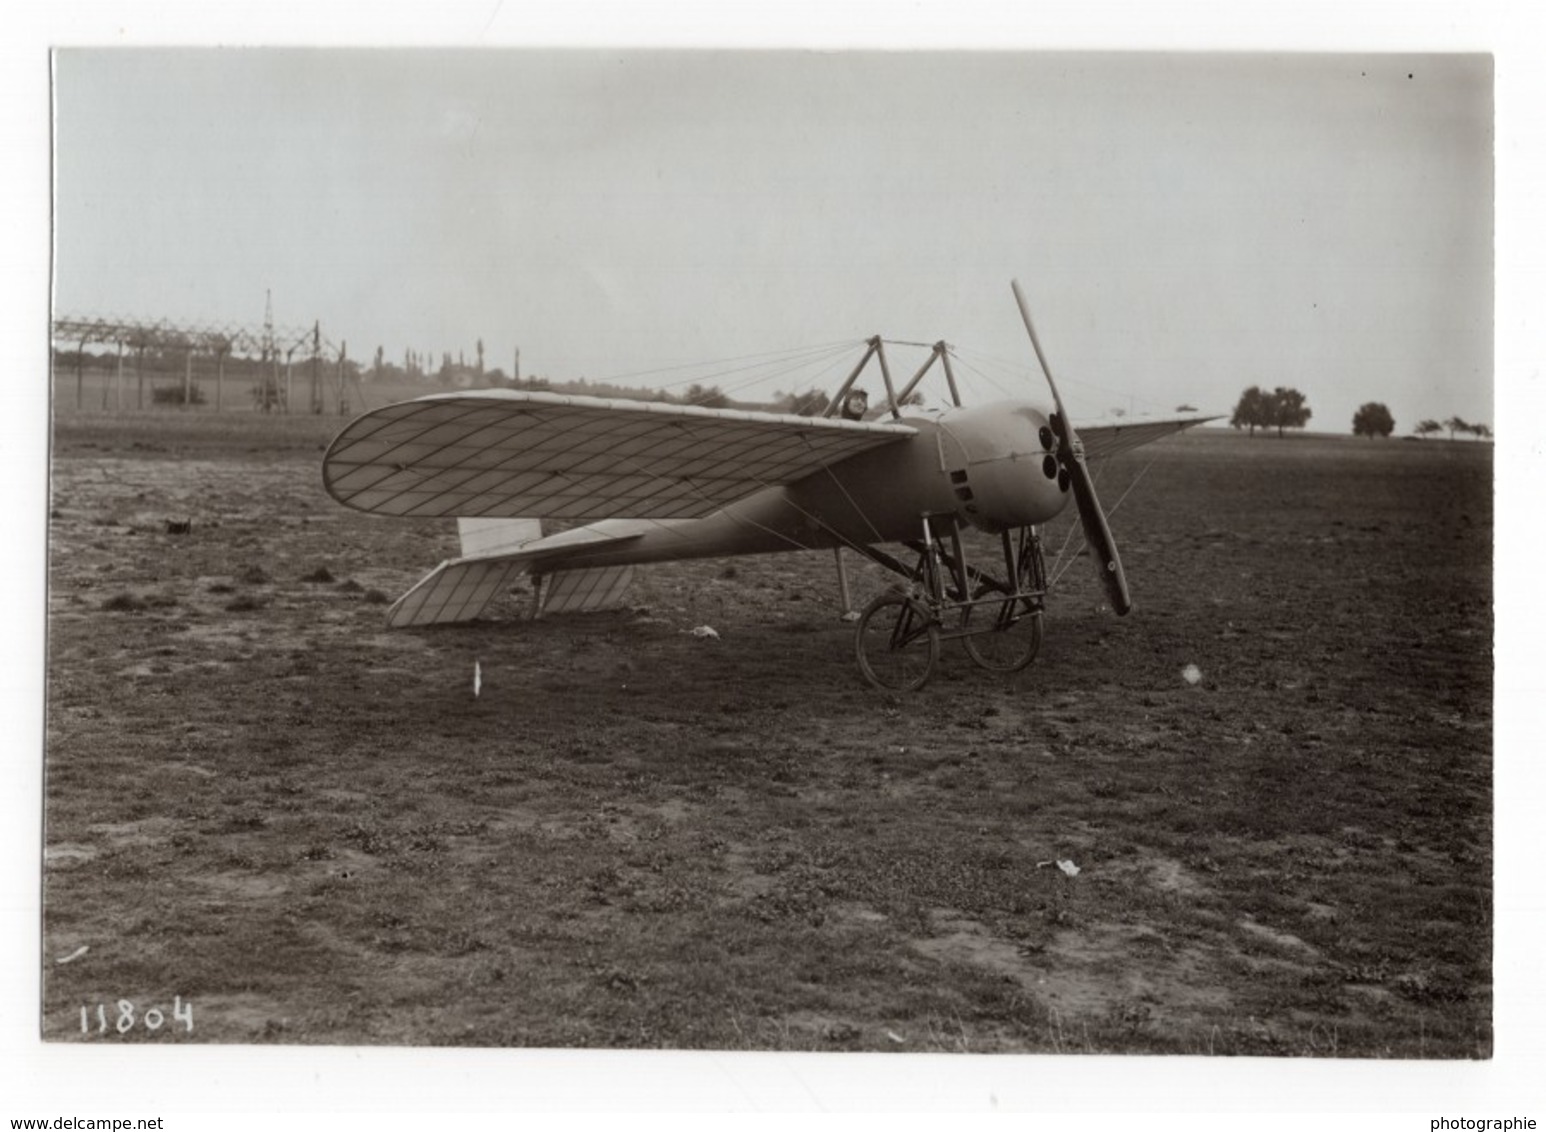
x: 482, y: 537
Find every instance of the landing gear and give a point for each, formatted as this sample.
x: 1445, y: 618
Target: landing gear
x: 1015, y: 638
x: 897, y: 642
x: 1012, y: 643
x: 1000, y: 625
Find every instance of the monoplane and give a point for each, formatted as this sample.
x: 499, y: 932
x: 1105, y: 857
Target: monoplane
x: 656, y: 482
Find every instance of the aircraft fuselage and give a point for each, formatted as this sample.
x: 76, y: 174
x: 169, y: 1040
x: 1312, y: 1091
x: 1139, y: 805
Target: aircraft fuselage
x: 989, y: 466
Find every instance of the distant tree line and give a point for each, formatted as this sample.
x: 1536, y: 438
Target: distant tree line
x: 1454, y: 425
x: 1281, y: 408
x: 1373, y: 419
x: 811, y: 403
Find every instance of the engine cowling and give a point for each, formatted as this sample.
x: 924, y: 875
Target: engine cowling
x: 1002, y: 465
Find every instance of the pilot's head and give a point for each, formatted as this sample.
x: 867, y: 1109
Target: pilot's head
x: 855, y: 405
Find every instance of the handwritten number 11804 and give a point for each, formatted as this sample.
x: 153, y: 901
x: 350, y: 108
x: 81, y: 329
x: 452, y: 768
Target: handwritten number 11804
x: 126, y: 1017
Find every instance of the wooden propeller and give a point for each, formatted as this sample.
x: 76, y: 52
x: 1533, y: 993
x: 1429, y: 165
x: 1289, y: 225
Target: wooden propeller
x: 1097, y: 532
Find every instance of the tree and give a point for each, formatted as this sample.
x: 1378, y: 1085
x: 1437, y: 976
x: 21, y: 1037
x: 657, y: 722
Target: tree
x: 1286, y: 409
x: 1428, y: 426
x: 1280, y: 409
x: 1373, y: 419
x: 1480, y: 431
x: 711, y: 398
x: 1456, y: 424
x: 1250, y: 410
x: 811, y: 403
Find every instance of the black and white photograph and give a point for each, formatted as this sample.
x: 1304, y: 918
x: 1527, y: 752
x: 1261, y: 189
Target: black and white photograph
x: 776, y: 550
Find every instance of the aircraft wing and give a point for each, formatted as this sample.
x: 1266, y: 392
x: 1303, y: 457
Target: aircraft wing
x: 1109, y: 438
x: 498, y: 453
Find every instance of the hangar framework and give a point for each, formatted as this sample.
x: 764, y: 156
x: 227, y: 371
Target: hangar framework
x: 264, y: 359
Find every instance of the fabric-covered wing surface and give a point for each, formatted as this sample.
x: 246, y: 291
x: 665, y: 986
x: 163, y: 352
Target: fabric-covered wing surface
x: 505, y: 453
x: 455, y: 591
x: 1102, y: 440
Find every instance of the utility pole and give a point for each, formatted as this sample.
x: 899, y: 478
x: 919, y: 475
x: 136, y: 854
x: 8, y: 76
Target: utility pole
x: 343, y: 391
x: 268, y: 369
x: 316, y: 367
x: 80, y: 376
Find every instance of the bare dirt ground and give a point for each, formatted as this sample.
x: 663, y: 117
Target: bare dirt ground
x: 263, y: 807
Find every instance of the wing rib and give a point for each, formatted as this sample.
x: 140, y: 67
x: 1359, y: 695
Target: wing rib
x: 508, y: 454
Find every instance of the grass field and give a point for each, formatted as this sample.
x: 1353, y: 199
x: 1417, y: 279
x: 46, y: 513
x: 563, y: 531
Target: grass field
x: 262, y: 806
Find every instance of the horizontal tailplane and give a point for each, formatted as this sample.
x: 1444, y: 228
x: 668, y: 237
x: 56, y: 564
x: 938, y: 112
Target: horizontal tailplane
x: 455, y: 591
x: 586, y: 590
x: 502, y: 550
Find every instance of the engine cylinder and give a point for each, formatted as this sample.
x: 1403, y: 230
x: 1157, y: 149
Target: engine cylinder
x: 1002, y: 465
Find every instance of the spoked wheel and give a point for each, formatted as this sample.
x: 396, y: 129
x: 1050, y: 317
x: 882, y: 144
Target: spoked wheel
x: 1012, y: 642
x: 897, y: 642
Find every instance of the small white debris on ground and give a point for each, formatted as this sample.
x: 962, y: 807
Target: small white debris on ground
x: 477, y: 679
x: 1191, y: 674
x: 1069, y: 868
x: 74, y: 955
x: 703, y: 631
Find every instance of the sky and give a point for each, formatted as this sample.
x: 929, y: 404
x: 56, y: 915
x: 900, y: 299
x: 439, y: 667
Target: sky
x: 1184, y: 225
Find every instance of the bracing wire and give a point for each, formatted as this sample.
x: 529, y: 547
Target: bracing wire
x: 986, y: 377
x: 1059, y: 568
x: 765, y: 371
x: 831, y: 358
x: 744, y: 520
x: 868, y: 522
x: 769, y: 355
x: 1141, y: 473
x: 1122, y: 394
